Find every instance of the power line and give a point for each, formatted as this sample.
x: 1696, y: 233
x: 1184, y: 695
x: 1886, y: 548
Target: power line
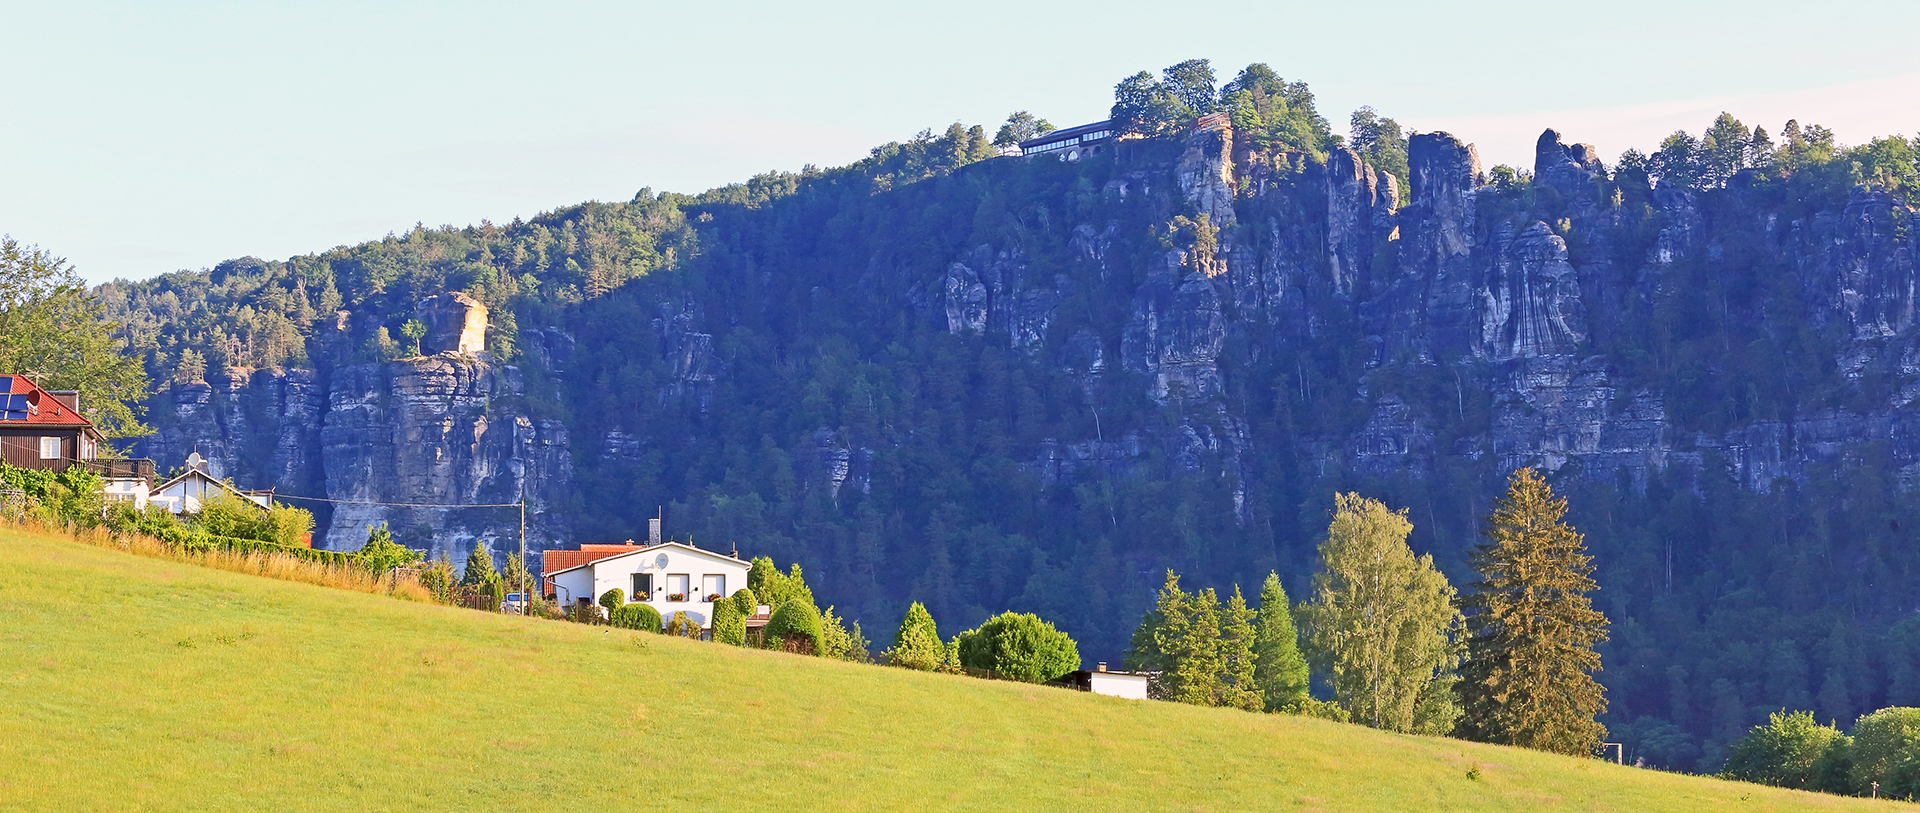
x: 399, y: 504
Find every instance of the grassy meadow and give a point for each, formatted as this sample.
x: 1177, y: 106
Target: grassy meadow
x: 131, y: 683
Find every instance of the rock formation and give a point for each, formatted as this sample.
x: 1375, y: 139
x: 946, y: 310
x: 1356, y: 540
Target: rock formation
x: 456, y: 323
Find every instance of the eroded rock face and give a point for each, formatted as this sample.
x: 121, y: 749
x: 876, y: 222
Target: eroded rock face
x: 435, y: 430
x: 1176, y: 334
x: 456, y: 323
x: 1205, y: 175
x: 1350, y: 205
x: 1531, y: 305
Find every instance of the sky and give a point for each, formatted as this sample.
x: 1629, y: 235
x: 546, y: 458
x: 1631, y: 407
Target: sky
x: 142, y: 138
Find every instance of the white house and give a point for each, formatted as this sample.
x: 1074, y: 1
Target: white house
x: 670, y: 577
x: 185, y: 494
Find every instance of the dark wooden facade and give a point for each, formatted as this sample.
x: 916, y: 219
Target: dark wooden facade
x: 20, y: 446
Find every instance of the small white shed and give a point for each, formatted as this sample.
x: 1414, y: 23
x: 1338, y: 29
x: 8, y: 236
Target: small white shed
x: 1131, y: 685
x: 670, y: 577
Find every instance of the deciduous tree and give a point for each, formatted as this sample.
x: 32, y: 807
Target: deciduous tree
x: 53, y: 329
x: 1381, y: 623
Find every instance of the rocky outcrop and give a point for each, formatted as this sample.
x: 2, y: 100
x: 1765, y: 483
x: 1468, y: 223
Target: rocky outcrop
x: 1430, y: 304
x: 1205, y: 175
x: 456, y: 323
x: 444, y: 430
x: 1350, y: 204
x: 1176, y: 334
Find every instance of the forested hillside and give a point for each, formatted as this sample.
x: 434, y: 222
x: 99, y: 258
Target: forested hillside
x: 1022, y: 383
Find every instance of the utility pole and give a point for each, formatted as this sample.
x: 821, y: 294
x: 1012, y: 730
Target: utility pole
x: 526, y: 602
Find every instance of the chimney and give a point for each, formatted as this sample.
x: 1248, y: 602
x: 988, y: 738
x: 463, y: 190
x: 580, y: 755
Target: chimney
x: 653, y: 531
x: 70, y: 398
x: 1101, y: 668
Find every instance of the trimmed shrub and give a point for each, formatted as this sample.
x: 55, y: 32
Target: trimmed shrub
x: 795, y: 624
x: 637, y: 616
x: 682, y: 626
x: 1019, y: 646
x: 745, y: 601
x: 613, y: 600
x: 729, y: 626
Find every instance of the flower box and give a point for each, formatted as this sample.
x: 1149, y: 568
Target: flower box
x: 676, y: 596
x: 713, y: 596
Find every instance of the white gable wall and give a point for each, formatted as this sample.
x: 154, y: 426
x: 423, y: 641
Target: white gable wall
x: 185, y: 495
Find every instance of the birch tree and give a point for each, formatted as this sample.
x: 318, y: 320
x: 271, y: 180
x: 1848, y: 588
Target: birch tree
x: 1381, y: 624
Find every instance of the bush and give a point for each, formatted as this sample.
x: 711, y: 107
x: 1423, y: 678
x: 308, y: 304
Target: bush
x: 613, y: 600
x: 729, y: 626
x: 744, y: 600
x: 1321, y: 709
x: 916, y: 645
x: 1019, y: 646
x: 381, y: 553
x: 1880, y: 741
x: 637, y: 616
x: 840, y: 642
x: 795, y: 624
x: 682, y: 626
x: 1786, y: 752
x: 438, y: 578
x: 584, y: 613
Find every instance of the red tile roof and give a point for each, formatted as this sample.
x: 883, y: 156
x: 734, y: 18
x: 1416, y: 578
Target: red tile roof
x: 45, y: 409
x: 554, y: 561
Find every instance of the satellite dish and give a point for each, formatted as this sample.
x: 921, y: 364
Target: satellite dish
x: 660, y: 561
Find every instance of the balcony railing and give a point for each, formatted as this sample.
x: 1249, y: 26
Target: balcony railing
x: 140, y: 468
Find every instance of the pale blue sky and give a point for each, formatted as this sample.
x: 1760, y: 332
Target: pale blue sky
x: 137, y: 139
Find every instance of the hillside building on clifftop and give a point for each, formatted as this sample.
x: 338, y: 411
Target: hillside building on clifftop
x: 1072, y: 143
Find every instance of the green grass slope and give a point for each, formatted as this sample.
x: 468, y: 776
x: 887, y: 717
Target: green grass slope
x: 129, y: 683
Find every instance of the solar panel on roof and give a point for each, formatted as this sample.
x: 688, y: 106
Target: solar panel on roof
x: 6, y: 383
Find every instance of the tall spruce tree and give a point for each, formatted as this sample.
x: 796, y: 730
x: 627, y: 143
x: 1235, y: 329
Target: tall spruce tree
x: 1190, y: 641
x: 1381, y: 622
x: 1528, y: 676
x: 1239, y: 688
x: 1279, y: 668
x: 479, y: 567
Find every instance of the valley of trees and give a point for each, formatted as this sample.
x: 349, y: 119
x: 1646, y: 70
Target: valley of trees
x: 1726, y: 604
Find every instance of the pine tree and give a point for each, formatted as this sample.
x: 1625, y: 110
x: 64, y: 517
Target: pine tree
x: 1190, y: 642
x: 1238, y: 687
x: 1528, y: 677
x: 1279, y: 668
x: 516, y: 575
x: 1381, y: 622
x: 479, y: 567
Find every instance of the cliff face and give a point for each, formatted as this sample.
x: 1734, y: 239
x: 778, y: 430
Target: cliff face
x: 436, y: 430
x: 1039, y: 385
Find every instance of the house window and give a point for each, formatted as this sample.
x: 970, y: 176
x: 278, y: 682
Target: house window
x: 712, y: 587
x: 677, y: 587
x: 643, y: 587
x: 49, y: 448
